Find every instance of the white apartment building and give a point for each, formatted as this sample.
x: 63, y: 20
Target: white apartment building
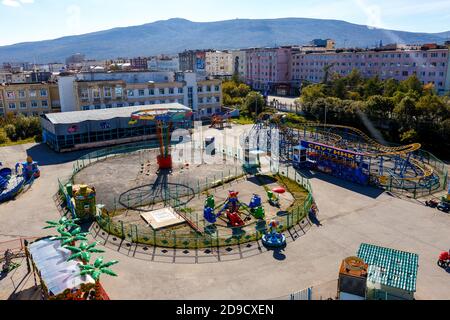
x: 219, y: 63
x: 164, y: 63
x: 106, y: 90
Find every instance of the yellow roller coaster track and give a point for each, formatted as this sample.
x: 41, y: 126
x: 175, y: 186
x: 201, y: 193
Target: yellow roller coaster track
x: 383, y: 151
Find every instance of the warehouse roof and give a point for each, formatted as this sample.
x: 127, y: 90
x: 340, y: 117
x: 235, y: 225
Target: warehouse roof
x: 106, y: 114
x: 390, y: 267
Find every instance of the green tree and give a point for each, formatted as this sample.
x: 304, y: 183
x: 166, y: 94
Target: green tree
x: 3, y: 137
x: 373, y: 87
x: 391, y: 86
x: 412, y: 83
x: 380, y: 106
x: 96, y: 270
x: 255, y: 103
x: 312, y: 93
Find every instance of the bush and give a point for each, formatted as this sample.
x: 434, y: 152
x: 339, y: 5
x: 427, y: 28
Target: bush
x: 10, y: 131
x: 3, y: 137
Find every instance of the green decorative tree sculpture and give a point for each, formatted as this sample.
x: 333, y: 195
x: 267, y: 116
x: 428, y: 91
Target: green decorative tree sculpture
x: 83, y: 252
x: 96, y: 270
x: 63, y: 224
x: 71, y: 237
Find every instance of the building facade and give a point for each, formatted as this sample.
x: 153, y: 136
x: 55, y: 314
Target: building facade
x: 268, y: 69
x: 239, y: 60
x: 94, y: 91
x: 429, y: 65
x: 193, y: 60
x: 219, y: 63
x: 29, y: 99
x: 164, y: 63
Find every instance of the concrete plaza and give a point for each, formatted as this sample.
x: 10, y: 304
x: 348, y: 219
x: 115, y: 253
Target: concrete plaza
x: 350, y: 215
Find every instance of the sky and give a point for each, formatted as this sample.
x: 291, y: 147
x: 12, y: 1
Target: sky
x: 33, y: 20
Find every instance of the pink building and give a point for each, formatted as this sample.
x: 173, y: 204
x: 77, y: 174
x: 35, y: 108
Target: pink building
x: 268, y: 69
x: 430, y: 66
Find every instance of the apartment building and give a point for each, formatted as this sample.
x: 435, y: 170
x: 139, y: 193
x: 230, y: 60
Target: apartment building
x: 106, y: 90
x: 219, y: 63
x: 193, y: 60
x: 429, y: 65
x: 239, y: 59
x: 139, y: 63
x: 29, y: 99
x: 269, y: 69
x: 164, y: 63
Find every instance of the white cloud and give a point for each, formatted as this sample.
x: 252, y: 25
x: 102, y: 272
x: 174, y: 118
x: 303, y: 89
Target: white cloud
x: 16, y: 3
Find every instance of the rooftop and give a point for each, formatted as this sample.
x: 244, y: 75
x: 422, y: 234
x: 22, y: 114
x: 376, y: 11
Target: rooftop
x: 389, y: 267
x: 106, y: 114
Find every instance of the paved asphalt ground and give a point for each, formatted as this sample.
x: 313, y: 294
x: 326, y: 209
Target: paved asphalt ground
x: 350, y: 215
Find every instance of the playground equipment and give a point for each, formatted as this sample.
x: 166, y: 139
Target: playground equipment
x: 30, y: 169
x: 220, y: 120
x: 273, y: 197
x: 233, y: 209
x: 273, y: 238
x: 164, y: 118
x: 83, y: 201
x: 11, y: 183
x: 444, y: 260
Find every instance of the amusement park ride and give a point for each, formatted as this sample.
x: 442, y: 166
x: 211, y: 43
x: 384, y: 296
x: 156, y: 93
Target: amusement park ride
x: 350, y: 154
x: 12, y: 184
x: 164, y: 119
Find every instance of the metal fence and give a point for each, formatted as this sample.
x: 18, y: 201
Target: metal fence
x: 196, y: 238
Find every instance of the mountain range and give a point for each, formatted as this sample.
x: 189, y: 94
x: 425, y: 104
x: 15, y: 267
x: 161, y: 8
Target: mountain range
x: 176, y: 35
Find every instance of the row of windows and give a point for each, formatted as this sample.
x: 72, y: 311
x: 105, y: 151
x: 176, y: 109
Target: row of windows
x: 25, y: 105
x: 370, y: 56
x: 22, y: 94
x: 396, y: 72
x: 374, y: 64
x: 129, y: 104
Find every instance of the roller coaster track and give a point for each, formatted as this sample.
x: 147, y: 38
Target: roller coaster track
x: 381, y: 150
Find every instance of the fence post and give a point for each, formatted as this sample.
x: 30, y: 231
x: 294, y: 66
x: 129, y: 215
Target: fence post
x: 122, y: 230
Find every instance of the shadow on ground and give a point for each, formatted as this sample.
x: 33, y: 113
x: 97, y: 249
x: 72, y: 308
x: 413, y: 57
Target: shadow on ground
x: 367, y: 191
x: 47, y: 157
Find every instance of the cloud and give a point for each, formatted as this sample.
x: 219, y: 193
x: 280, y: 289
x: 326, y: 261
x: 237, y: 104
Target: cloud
x: 16, y: 3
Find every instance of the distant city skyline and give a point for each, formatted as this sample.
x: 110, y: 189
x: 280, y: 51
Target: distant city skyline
x: 35, y: 20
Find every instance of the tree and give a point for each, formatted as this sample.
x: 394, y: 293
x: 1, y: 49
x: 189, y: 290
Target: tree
x: 391, y: 86
x: 373, y: 87
x: 255, y: 103
x: 412, y: 83
x: 62, y: 224
x: 312, y: 93
x: 409, y: 136
x: 379, y: 106
x: 96, y: 270
x: 406, y: 109
x: 3, y: 137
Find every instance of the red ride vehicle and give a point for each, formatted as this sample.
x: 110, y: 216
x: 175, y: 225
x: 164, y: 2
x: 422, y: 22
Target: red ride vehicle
x: 444, y: 260
x: 235, y: 220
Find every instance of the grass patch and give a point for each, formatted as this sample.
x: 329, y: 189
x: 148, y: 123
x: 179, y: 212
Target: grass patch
x: 299, y: 193
x: 243, y: 120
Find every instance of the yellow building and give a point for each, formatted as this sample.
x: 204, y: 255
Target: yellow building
x: 29, y: 99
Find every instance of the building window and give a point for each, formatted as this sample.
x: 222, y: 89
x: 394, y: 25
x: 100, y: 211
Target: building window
x: 131, y: 104
x: 141, y: 92
x: 161, y: 91
x: 11, y: 95
x: 96, y: 93
x: 200, y: 100
x: 151, y: 92
x: 171, y: 91
x: 180, y: 101
x: 130, y: 93
x: 208, y: 88
x: 43, y: 92
x: 180, y: 90
x: 34, y: 104
x: 119, y: 92
x: 12, y: 105
x: 32, y: 93
x: 217, y: 88
x: 97, y: 107
x: 109, y: 106
x: 44, y: 104
x: 85, y: 108
x: 107, y: 92
x: 23, y: 105
x: 84, y: 94
x: 200, y: 89
x: 119, y: 105
x: 21, y: 94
